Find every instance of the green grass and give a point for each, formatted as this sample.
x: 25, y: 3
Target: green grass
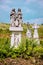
x: 26, y: 48
x: 4, y: 28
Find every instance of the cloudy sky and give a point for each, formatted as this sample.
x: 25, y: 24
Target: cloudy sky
x: 32, y: 10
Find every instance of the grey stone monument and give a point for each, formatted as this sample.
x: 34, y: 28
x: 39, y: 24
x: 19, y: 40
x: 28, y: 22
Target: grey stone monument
x: 16, y: 28
x: 35, y: 35
x: 28, y: 33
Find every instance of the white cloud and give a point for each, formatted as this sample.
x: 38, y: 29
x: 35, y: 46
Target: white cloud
x: 37, y: 20
x: 5, y: 7
x: 27, y: 10
x: 40, y: 2
x: 6, y: 1
x: 28, y: 1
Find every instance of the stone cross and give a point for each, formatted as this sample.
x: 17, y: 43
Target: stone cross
x: 35, y: 35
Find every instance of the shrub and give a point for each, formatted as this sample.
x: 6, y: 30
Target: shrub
x: 38, y: 51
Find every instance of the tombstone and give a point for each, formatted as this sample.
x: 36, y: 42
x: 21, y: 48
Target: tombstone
x: 16, y: 30
x: 28, y: 33
x: 35, y: 35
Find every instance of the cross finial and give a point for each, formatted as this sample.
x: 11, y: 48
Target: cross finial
x: 35, y: 26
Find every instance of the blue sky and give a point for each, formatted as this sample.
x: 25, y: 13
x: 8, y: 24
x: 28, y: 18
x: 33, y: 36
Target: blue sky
x: 32, y: 10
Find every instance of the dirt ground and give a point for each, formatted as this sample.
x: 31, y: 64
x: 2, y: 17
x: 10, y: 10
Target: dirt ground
x: 20, y: 61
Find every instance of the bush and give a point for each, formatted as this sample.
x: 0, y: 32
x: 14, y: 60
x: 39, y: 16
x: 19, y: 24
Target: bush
x: 38, y: 51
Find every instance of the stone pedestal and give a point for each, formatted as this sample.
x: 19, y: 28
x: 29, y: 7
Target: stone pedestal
x: 15, y: 36
x: 35, y: 35
x: 28, y: 33
x: 16, y: 28
x: 12, y: 39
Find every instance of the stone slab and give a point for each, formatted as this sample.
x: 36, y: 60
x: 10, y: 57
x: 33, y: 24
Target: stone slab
x: 15, y: 29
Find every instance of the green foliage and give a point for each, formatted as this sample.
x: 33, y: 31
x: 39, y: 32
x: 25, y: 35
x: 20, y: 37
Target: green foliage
x: 4, y: 46
x: 38, y: 51
x: 28, y: 47
x: 1, y: 30
x: 41, y: 42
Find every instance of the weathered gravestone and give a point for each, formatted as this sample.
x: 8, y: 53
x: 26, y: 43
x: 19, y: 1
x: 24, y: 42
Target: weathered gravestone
x: 28, y: 33
x: 35, y: 35
x: 16, y: 28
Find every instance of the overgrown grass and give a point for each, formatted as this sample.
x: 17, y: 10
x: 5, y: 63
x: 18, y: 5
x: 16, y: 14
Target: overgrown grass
x: 25, y: 49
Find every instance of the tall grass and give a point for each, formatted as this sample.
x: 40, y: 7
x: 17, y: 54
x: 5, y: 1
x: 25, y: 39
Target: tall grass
x: 28, y: 47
